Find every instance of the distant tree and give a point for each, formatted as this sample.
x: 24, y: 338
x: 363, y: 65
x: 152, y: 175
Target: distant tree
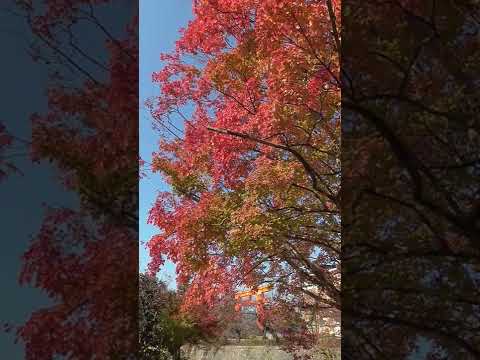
x: 161, y: 332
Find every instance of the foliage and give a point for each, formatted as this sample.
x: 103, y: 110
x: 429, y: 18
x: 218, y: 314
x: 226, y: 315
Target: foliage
x: 410, y: 187
x: 254, y: 171
x: 85, y: 258
x: 161, y: 331
x: 7, y: 166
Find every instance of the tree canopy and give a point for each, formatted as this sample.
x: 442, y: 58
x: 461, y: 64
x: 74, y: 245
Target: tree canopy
x: 254, y: 169
x: 84, y: 258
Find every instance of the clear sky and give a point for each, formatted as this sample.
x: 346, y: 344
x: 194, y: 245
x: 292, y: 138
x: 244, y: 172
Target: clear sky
x: 160, y: 21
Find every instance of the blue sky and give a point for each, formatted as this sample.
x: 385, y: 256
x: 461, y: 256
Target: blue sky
x: 160, y: 21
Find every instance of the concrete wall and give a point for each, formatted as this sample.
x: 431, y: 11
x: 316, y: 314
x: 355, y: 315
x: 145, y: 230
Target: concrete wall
x: 239, y: 352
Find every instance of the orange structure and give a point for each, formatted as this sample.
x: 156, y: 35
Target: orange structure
x: 244, y: 298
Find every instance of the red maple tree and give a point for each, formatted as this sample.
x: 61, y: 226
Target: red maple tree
x: 254, y: 170
x: 85, y: 258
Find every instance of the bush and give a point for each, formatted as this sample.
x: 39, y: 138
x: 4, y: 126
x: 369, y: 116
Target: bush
x: 161, y: 332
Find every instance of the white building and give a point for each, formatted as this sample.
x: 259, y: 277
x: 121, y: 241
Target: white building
x: 322, y: 321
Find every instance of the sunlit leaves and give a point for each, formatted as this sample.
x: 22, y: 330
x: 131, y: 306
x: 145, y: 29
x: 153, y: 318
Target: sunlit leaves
x: 254, y: 169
